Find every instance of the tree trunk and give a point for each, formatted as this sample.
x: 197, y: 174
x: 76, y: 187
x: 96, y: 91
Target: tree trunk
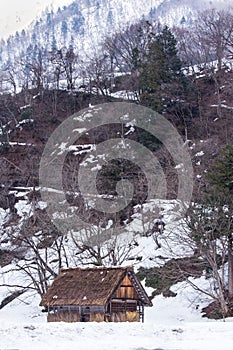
x: 230, y: 267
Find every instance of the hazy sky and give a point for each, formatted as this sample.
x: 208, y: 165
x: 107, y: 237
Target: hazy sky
x: 17, y: 14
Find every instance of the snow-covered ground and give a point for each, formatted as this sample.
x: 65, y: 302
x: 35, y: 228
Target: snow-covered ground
x: 172, y: 323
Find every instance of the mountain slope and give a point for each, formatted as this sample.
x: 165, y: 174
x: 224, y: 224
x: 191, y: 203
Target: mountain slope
x: 83, y: 24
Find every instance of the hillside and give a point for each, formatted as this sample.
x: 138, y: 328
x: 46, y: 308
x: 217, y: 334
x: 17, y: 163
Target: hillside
x: 34, y: 120
x: 33, y: 117
x: 85, y: 23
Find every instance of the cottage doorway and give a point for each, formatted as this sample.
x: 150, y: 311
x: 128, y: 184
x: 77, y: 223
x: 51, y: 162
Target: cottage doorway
x: 85, y: 314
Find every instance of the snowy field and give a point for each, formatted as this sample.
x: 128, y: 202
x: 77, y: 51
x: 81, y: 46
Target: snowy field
x: 171, y: 324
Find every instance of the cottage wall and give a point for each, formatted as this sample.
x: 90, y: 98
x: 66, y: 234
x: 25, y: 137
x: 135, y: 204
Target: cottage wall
x: 126, y: 290
x: 76, y: 314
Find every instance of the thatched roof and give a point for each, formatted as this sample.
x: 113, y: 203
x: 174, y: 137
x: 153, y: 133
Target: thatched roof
x: 88, y: 286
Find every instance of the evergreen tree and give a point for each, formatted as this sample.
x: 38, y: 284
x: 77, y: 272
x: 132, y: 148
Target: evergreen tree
x: 161, y: 77
x: 71, y: 45
x: 64, y: 28
x: 78, y: 23
x: 73, y: 7
x: 54, y: 43
x: 135, y: 59
x: 29, y: 51
x: 33, y: 38
x: 221, y: 175
x: 183, y: 20
x: 17, y: 36
x: 152, y: 14
x: 172, y: 64
x: 110, y: 18
x: 152, y: 77
x: 49, y: 19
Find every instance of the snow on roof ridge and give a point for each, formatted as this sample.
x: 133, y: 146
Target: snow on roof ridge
x: 129, y: 267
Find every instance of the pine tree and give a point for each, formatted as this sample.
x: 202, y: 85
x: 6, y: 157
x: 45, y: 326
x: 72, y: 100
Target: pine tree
x: 34, y: 38
x: 152, y: 77
x: 152, y: 14
x: 167, y: 44
x: 183, y: 20
x: 54, y: 43
x: 110, y: 18
x: 161, y: 77
x: 17, y: 38
x: 49, y: 19
x: 221, y: 176
x: 78, y: 23
x: 74, y: 7
x: 64, y: 28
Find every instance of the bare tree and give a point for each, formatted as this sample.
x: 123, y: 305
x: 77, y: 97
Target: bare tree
x: 8, y: 77
x: 102, y: 246
x: 129, y: 46
x: 209, y: 39
x: 214, y: 28
x: 192, y: 49
x: 65, y: 62
x: 38, y: 247
x: 33, y: 72
x: 206, y: 231
x: 39, y: 263
x: 96, y: 73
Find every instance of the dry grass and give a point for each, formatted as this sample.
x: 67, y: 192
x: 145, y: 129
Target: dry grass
x: 68, y: 316
x: 64, y: 316
x: 96, y: 317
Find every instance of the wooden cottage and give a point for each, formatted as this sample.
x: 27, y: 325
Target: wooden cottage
x: 96, y: 294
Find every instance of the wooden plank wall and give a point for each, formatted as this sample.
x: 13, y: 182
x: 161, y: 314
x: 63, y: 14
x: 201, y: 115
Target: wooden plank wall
x: 126, y: 290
